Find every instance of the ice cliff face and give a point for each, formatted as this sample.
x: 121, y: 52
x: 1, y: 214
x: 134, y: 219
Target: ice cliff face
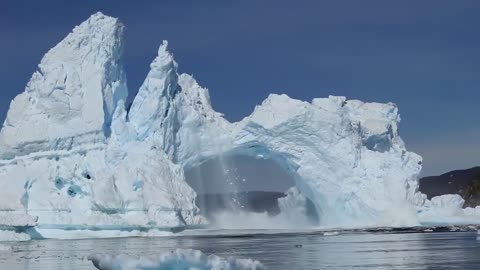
x: 72, y: 157
x: 70, y: 99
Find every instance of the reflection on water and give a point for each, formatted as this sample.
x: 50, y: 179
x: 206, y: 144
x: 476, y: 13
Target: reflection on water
x: 298, y: 251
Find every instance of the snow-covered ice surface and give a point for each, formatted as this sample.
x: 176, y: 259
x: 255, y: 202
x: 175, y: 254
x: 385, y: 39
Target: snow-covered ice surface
x: 178, y: 259
x: 72, y: 158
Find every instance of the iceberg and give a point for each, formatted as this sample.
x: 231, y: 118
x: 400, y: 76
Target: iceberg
x: 73, y: 158
x: 67, y: 160
x: 179, y: 259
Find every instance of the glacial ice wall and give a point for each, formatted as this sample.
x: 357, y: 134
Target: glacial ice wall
x: 73, y: 158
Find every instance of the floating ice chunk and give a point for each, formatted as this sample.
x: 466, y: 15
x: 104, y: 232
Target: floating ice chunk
x: 178, y: 260
x: 12, y: 235
x: 447, y: 209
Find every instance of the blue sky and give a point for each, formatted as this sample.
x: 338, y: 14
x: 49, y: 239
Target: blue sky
x: 422, y: 55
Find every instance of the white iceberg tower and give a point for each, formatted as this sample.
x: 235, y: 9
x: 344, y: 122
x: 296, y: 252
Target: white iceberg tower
x: 66, y: 158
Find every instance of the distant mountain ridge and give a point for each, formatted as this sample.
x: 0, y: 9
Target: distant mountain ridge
x: 466, y: 183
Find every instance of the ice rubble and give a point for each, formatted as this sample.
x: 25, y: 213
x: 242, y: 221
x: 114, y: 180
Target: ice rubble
x: 179, y: 259
x: 73, y: 158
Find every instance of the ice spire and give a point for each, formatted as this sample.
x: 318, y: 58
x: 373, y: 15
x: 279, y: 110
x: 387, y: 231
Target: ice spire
x: 151, y: 109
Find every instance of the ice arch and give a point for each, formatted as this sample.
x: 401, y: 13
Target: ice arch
x: 228, y: 185
x: 345, y: 156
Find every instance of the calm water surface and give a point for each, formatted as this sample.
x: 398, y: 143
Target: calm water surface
x: 296, y: 251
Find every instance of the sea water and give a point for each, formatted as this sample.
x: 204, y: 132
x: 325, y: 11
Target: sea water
x: 275, y: 250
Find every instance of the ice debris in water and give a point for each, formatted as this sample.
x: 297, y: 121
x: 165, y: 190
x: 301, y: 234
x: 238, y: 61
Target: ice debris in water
x: 330, y: 233
x: 180, y: 259
x: 5, y: 248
